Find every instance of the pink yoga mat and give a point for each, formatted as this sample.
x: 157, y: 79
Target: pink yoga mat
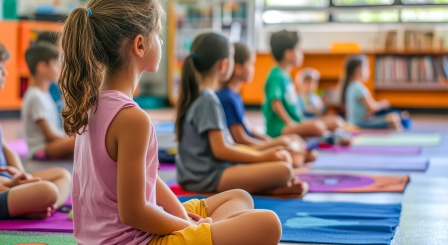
x: 380, y: 150
x: 58, y: 222
x: 19, y: 146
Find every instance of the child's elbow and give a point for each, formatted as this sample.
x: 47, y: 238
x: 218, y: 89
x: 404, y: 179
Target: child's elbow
x: 128, y: 217
x: 219, y: 152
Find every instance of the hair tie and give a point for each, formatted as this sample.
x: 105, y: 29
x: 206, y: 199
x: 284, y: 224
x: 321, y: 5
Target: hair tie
x: 89, y: 11
x: 193, y: 55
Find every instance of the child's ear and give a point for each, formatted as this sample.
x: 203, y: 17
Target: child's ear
x: 139, y: 46
x: 288, y: 55
x: 222, y: 65
x: 41, y: 66
x: 238, y: 69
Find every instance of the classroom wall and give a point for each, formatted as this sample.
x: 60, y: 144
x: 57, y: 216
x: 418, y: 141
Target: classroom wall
x: 157, y: 83
x: 368, y: 36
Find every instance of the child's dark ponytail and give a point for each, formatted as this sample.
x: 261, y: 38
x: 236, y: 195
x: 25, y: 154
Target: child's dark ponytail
x: 189, y: 92
x: 206, y: 50
x: 352, y: 63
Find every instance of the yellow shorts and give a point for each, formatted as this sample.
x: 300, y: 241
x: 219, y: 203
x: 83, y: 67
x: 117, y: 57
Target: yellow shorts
x: 191, y: 235
x: 246, y: 148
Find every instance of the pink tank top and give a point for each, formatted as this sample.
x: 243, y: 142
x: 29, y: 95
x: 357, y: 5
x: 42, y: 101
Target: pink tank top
x: 95, y: 207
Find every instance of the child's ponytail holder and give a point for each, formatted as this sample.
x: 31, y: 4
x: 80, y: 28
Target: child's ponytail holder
x: 193, y: 56
x: 89, y: 11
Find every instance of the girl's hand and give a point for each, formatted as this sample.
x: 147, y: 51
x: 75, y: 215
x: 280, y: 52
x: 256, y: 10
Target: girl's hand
x: 275, y: 154
x: 284, y: 155
x: 21, y: 178
x: 195, y: 219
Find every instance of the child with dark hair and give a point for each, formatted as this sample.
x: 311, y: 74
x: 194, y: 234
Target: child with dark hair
x: 52, y: 37
x: 361, y: 108
x: 43, y: 132
x: 239, y: 126
x: 280, y: 105
x: 208, y: 159
x: 24, y: 195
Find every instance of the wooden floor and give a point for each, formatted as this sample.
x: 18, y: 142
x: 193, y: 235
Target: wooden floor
x: 424, y: 218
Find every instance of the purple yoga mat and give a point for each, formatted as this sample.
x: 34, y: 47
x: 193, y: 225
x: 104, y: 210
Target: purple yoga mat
x: 167, y: 167
x: 58, y: 222
x: 381, y: 150
x: 359, y: 162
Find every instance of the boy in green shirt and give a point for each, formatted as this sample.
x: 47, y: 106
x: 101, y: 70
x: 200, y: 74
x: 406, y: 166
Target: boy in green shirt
x: 280, y: 106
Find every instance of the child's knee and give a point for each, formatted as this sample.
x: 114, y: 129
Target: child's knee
x: 339, y: 121
x: 319, y: 128
x: 48, y: 192
x: 63, y: 174
x: 242, y: 196
x: 272, y: 223
x: 285, y: 171
x: 393, y: 118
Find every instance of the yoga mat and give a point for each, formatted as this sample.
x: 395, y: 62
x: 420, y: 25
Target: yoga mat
x: 36, y: 240
x: 398, y: 139
x: 167, y: 167
x: 164, y: 127
x: 333, y: 183
x: 332, y: 222
x: 362, y: 162
x: 19, y: 146
x: 167, y: 155
x: 352, y: 183
x: 58, y: 222
x: 380, y: 150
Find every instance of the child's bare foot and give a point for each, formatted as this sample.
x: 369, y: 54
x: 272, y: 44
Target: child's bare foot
x: 298, y: 159
x: 296, y: 187
x: 345, y: 141
x: 39, y: 215
x: 311, y: 156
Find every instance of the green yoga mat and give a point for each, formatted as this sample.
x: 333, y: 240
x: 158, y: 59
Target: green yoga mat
x: 398, y: 139
x: 36, y: 240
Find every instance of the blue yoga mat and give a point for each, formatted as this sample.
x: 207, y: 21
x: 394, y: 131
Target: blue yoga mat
x: 332, y: 222
x: 164, y: 127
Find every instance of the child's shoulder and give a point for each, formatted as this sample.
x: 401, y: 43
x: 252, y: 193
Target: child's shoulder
x: 32, y: 94
x: 206, y: 100
x: 277, y: 74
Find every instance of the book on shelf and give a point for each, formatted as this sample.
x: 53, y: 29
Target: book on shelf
x: 402, y: 70
x: 418, y: 40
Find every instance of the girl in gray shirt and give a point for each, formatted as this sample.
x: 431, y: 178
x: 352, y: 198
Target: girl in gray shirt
x: 208, y: 159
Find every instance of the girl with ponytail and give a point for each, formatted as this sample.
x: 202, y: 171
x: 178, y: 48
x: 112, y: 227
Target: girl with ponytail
x: 208, y: 160
x: 361, y: 108
x: 118, y: 197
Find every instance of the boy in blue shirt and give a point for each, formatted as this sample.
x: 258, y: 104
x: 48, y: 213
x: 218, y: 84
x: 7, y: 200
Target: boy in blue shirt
x: 235, y: 112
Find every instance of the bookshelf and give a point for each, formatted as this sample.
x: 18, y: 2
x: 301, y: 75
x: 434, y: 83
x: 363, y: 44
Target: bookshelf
x: 415, y: 87
x: 330, y: 65
x: 412, y: 72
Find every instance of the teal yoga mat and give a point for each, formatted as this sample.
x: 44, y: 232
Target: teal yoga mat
x: 398, y: 139
x: 44, y: 240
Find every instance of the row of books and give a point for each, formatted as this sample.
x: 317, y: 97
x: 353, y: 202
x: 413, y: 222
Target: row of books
x: 411, y: 69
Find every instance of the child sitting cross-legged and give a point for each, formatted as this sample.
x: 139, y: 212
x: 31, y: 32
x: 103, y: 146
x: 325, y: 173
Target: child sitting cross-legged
x: 43, y: 132
x: 27, y: 195
x: 239, y: 126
